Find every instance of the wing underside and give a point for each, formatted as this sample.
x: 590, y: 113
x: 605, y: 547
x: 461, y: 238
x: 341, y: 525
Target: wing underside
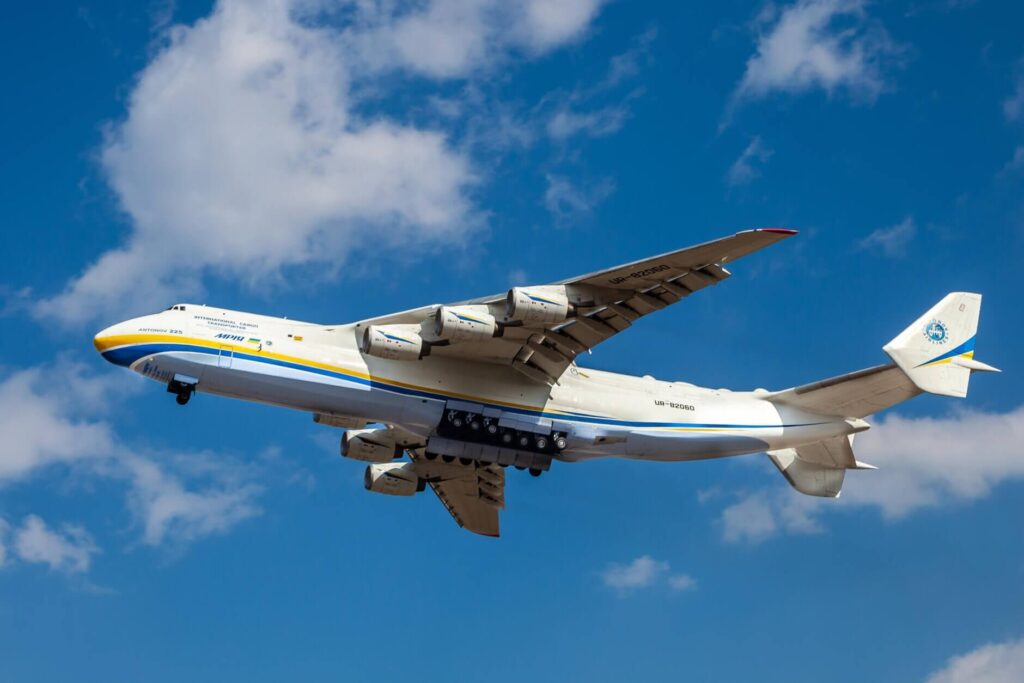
x: 473, y: 494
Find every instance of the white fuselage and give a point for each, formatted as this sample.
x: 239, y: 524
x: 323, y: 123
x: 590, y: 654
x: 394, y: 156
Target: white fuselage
x: 320, y: 369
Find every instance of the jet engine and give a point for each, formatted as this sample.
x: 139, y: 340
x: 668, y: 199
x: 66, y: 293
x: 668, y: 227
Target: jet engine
x: 392, y: 342
x: 464, y: 323
x: 394, y: 479
x: 369, y: 445
x: 537, y: 304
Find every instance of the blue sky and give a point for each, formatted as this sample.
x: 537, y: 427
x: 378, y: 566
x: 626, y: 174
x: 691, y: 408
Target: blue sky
x: 333, y: 161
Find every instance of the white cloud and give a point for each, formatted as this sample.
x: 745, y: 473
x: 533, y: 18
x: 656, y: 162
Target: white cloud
x: 1014, y: 164
x: 707, y: 495
x: 551, y: 22
x: 173, y: 497
x: 247, y: 149
x: 644, y: 572
x: 828, y: 44
x: 568, y: 201
x: 931, y: 461
x: 455, y: 38
x: 993, y: 663
x: 923, y: 463
x: 627, y: 64
x: 893, y: 240
x: 1013, y: 106
x: 168, y: 510
x: 750, y: 519
x: 40, y: 427
x: 5, y: 528
x: 682, y: 582
x: 69, y: 550
x: 566, y: 123
x: 758, y: 516
x: 574, y: 113
x: 745, y: 168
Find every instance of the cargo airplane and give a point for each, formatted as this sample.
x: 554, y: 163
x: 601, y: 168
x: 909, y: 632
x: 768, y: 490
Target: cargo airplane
x: 449, y: 396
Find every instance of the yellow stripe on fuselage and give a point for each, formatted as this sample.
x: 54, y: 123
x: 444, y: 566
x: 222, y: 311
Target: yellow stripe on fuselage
x: 119, y: 341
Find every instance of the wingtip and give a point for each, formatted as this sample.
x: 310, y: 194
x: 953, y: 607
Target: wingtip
x: 778, y: 231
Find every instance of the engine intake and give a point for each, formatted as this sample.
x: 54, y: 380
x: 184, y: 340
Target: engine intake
x: 393, y: 479
x: 392, y: 342
x: 369, y: 445
x: 464, y: 324
x: 537, y: 304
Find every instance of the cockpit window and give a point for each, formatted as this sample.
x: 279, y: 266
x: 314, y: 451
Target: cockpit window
x: 177, y: 307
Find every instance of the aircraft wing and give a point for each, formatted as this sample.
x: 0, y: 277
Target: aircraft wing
x: 601, y: 304
x: 473, y: 494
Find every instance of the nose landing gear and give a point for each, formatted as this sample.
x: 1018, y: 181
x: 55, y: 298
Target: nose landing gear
x: 183, y: 388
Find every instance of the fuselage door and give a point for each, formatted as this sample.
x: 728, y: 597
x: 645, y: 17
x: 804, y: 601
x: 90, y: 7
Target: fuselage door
x: 225, y: 356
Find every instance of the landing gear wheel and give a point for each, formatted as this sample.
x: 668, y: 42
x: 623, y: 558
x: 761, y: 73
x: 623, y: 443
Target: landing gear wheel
x: 560, y: 443
x: 182, y: 390
x: 535, y: 472
x: 466, y: 461
x: 448, y: 458
x: 541, y: 442
x: 430, y: 456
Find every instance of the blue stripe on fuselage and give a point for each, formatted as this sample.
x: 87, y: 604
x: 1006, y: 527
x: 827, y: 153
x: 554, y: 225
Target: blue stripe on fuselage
x: 126, y: 355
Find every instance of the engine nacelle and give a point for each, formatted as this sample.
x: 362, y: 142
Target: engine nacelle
x: 463, y: 323
x: 392, y: 342
x: 369, y: 445
x: 393, y: 479
x: 537, y: 304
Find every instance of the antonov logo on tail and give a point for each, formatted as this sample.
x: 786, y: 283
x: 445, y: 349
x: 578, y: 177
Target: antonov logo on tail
x: 452, y: 406
x: 936, y: 332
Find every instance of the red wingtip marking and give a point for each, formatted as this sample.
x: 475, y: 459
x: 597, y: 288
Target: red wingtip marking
x: 781, y: 231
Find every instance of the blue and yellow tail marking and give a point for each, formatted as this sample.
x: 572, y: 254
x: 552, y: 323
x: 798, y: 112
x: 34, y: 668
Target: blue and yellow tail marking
x: 966, y: 350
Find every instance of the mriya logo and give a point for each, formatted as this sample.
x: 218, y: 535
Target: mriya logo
x: 936, y: 332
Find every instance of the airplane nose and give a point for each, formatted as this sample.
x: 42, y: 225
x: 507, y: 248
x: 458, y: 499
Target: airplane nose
x: 104, y: 341
x: 101, y: 337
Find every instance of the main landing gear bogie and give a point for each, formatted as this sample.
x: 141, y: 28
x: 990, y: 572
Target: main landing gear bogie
x: 480, y: 429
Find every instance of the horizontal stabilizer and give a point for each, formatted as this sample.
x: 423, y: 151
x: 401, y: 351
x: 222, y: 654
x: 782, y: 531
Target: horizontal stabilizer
x: 818, y: 469
x: 855, y: 394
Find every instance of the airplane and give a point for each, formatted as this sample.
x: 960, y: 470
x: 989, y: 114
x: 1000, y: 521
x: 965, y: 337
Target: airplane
x: 448, y: 396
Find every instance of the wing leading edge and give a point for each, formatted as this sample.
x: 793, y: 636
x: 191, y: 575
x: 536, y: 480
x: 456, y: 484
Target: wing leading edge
x: 596, y: 306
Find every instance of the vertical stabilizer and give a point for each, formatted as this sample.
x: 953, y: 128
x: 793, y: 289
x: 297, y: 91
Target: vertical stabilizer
x: 937, y: 350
